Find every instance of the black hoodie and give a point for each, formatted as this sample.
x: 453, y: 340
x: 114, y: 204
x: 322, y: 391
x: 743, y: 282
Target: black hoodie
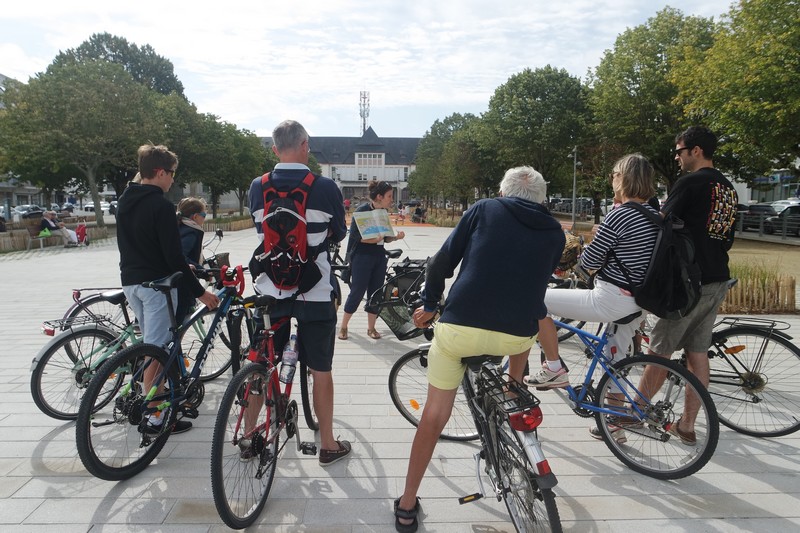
x: 507, y: 248
x: 148, y: 239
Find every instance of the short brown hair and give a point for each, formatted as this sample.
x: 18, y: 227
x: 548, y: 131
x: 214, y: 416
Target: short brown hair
x: 191, y: 206
x: 378, y: 188
x: 152, y: 157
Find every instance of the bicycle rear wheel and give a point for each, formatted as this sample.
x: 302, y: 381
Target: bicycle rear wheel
x: 307, y: 396
x: 114, y: 442
x: 531, y: 508
x: 244, y: 449
x: 100, y: 310
x: 64, y: 368
x: 646, y: 445
x: 755, y: 381
x: 408, y: 388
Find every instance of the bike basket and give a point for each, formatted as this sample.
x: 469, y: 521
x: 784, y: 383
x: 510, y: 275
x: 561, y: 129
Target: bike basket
x: 511, y: 396
x: 397, y: 316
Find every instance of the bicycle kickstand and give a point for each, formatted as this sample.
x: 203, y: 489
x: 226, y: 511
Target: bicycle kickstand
x: 480, y: 494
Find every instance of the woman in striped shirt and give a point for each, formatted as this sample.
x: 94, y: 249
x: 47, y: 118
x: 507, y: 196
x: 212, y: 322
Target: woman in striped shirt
x: 620, y: 253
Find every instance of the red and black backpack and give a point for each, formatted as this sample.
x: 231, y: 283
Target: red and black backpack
x: 284, y: 255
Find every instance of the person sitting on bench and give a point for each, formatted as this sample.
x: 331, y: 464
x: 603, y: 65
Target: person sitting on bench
x: 51, y: 223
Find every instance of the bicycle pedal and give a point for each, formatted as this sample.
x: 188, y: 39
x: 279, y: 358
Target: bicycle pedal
x: 471, y: 498
x: 308, y: 448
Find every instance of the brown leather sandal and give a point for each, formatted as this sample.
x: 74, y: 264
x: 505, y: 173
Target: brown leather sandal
x: 342, y: 334
x: 373, y: 334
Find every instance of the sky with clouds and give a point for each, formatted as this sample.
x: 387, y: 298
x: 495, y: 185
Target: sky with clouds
x: 257, y: 63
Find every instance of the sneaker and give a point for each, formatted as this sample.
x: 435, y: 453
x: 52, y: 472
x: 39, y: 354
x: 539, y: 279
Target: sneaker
x: 617, y: 433
x: 547, y: 379
x: 181, y: 426
x: 688, y: 438
x: 328, y: 457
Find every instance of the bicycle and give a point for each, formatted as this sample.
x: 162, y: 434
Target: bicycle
x: 506, y: 416
x: 754, y: 377
x: 253, y: 413
x: 117, y: 440
x: 645, y: 444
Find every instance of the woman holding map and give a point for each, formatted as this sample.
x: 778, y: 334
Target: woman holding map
x: 369, y: 230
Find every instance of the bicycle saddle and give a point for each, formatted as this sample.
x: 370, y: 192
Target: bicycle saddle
x: 474, y: 362
x: 394, y: 253
x: 116, y: 297
x: 164, y: 284
x: 261, y: 301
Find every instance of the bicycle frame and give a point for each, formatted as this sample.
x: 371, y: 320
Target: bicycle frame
x: 577, y: 399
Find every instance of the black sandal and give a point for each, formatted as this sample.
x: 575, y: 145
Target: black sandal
x: 406, y: 515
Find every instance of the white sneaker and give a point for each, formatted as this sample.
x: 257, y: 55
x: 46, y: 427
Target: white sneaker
x: 547, y: 379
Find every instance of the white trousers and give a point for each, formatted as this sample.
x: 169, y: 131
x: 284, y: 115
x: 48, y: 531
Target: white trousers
x: 605, y: 303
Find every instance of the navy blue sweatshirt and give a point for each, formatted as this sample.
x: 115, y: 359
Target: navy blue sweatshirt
x: 508, y: 248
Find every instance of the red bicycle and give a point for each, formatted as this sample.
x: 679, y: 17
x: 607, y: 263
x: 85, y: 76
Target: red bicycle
x: 255, y: 409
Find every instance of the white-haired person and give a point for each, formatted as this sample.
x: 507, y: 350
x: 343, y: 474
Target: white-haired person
x: 507, y: 248
x: 51, y: 223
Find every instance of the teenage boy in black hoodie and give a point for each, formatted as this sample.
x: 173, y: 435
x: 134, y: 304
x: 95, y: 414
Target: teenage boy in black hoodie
x: 507, y: 248
x: 150, y: 249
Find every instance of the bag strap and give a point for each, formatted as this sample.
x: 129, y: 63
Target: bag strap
x: 656, y: 219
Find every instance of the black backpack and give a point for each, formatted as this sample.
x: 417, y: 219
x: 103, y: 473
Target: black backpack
x: 284, y: 255
x: 672, y: 283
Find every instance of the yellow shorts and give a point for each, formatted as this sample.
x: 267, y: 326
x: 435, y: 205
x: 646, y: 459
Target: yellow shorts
x: 452, y: 342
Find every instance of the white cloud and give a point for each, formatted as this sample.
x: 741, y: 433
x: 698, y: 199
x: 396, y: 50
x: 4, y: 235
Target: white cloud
x: 255, y: 64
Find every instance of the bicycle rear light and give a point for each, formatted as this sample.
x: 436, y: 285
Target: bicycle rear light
x: 526, y: 420
x: 543, y: 467
x: 49, y: 331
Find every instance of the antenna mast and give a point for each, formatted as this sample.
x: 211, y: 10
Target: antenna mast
x: 363, y: 110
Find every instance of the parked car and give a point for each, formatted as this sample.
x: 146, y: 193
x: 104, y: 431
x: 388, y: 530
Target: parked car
x: 780, y: 205
x: 28, y: 210
x: 789, y: 218
x: 104, y: 207
x: 68, y: 207
x: 55, y: 207
x: 756, y: 213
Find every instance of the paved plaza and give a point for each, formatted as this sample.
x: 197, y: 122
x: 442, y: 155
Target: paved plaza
x: 749, y: 485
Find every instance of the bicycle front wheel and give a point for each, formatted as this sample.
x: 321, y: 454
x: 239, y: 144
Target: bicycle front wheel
x: 307, y: 396
x: 665, y: 391
x: 755, y: 381
x: 64, y: 368
x: 244, y: 449
x: 218, y: 359
x: 531, y: 507
x: 117, y: 441
x: 408, y: 388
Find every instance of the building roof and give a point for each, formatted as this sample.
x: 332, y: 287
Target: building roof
x: 342, y: 150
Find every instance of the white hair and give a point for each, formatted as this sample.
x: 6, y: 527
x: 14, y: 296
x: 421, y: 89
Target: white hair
x: 524, y: 182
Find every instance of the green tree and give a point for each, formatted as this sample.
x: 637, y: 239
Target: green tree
x: 535, y: 119
x: 142, y: 63
x: 633, y: 96
x: 89, y: 116
x: 746, y: 87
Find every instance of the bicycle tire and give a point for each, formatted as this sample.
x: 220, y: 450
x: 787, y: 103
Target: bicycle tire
x: 218, y: 358
x: 110, y: 443
x: 650, y: 449
x: 531, y: 508
x: 102, y: 310
x: 241, y: 487
x: 64, y: 368
x: 408, y: 388
x: 761, y: 402
x: 307, y: 397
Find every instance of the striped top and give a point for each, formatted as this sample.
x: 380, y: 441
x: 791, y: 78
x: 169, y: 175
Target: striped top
x: 631, y: 237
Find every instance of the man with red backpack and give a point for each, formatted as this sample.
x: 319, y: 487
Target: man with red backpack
x: 296, y: 213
